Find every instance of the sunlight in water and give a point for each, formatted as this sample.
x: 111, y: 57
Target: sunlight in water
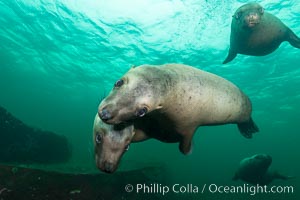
x: 57, y: 58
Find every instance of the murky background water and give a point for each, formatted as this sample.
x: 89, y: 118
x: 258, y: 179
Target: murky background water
x: 57, y: 58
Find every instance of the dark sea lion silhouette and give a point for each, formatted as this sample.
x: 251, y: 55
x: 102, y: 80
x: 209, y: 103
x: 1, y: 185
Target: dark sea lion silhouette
x: 257, y: 33
x: 255, y: 170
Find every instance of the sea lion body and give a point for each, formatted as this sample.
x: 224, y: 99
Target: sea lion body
x: 255, y: 170
x: 179, y: 98
x: 257, y: 33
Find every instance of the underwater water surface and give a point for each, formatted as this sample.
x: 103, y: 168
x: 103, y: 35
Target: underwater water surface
x: 59, y: 58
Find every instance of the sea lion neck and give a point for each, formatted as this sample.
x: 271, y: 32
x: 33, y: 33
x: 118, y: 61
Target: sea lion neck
x: 160, y: 81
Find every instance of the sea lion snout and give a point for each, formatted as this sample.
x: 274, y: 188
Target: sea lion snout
x: 104, y: 114
x: 252, y: 19
x: 107, y: 113
x: 107, y: 167
x: 106, y: 160
x: 116, y: 113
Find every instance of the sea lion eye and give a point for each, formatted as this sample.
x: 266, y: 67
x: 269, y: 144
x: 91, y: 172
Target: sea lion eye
x: 141, y: 112
x: 98, y: 138
x: 127, y: 147
x: 119, y: 83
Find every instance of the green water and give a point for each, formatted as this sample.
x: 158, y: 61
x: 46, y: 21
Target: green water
x: 58, y: 58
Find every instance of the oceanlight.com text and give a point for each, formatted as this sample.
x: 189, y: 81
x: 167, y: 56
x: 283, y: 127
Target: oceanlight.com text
x: 250, y: 189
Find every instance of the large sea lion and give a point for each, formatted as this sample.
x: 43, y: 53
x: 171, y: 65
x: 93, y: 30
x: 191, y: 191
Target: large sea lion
x: 254, y: 170
x: 257, y: 33
x: 179, y: 98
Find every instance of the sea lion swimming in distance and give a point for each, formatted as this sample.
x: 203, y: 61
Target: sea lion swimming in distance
x: 179, y: 98
x: 257, y: 33
x: 254, y: 170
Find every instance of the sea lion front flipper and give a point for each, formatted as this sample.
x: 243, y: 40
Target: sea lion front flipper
x: 247, y: 128
x: 231, y: 55
x: 185, y: 145
x: 293, y: 39
x: 139, y: 136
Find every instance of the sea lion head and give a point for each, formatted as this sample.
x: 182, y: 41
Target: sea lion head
x: 262, y: 161
x: 133, y: 95
x: 249, y: 15
x: 255, y: 166
x: 110, y: 143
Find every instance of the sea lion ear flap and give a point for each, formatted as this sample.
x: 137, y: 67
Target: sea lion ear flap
x: 237, y: 15
x: 159, y: 106
x: 261, y: 10
x: 132, y: 67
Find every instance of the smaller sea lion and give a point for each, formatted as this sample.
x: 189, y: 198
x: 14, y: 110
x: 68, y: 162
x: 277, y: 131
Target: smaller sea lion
x: 257, y: 33
x: 254, y: 170
x: 112, y: 141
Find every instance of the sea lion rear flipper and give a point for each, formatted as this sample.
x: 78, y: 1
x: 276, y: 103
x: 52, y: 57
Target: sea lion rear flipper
x: 247, y: 128
x: 293, y: 39
x: 277, y: 175
x: 231, y: 55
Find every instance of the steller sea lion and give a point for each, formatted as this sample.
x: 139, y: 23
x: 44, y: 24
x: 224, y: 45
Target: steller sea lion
x: 257, y: 33
x: 177, y: 99
x: 254, y: 170
x: 112, y: 141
